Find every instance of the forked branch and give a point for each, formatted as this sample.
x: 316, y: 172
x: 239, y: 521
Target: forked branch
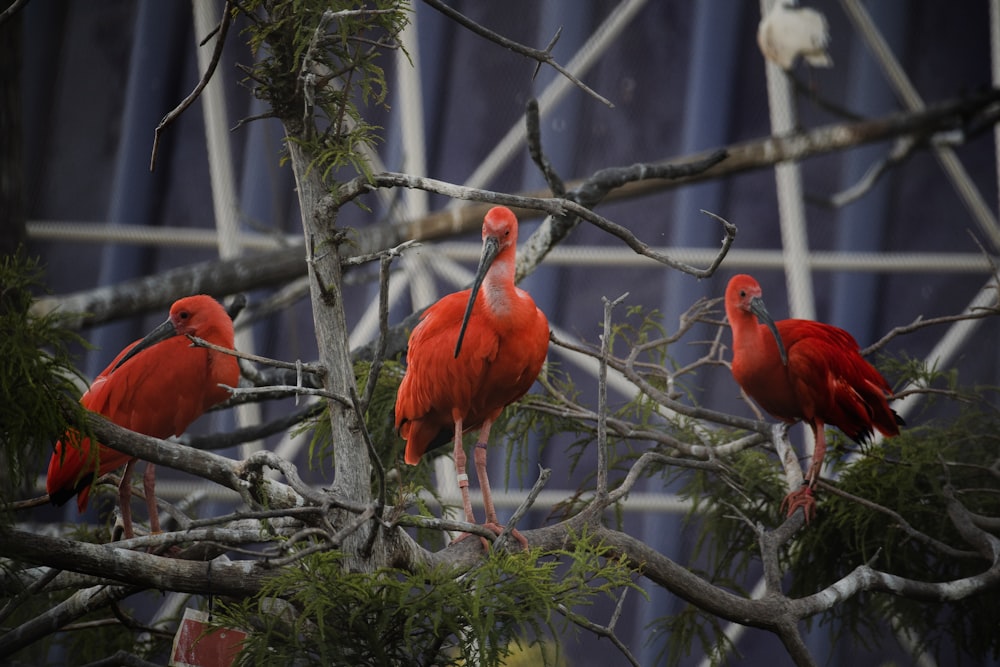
x: 542, y: 56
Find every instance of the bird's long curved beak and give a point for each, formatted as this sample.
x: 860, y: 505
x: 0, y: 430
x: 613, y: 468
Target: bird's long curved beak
x: 491, y: 248
x: 757, y: 308
x: 160, y: 333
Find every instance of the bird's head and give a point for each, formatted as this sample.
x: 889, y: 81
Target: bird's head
x: 744, y: 295
x: 192, y: 315
x: 499, y: 234
x: 196, y: 314
x: 500, y: 227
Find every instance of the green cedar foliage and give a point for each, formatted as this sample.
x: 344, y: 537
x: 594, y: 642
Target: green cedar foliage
x: 316, y: 613
x: 318, y: 67
x: 912, y: 475
x: 912, y: 537
x: 38, y: 388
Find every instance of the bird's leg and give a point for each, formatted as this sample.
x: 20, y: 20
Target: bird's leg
x: 149, y: 486
x: 479, y: 455
x: 125, y: 499
x: 463, y: 477
x: 819, y: 451
x: 484, y: 484
x: 804, y: 497
x: 463, y: 483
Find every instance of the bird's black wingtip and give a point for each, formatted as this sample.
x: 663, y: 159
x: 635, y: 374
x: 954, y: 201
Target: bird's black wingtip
x: 61, y: 496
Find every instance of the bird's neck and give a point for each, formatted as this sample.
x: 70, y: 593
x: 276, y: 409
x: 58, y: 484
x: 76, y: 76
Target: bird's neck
x: 498, y: 289
x: 748, y: 334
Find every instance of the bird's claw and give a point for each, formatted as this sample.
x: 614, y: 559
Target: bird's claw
x: 801, y: 498
x: 485, y: 542
x: 498, y: 529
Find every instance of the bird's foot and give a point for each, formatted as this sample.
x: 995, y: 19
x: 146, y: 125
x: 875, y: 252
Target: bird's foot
x: 485, y: 542
x: 498, y: 529
x: 801, y: 498
x: 515, y: 533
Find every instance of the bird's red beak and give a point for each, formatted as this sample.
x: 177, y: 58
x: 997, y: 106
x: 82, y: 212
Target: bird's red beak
x: 160, y: 333
x: 758, y: 308
x: 491, y: 248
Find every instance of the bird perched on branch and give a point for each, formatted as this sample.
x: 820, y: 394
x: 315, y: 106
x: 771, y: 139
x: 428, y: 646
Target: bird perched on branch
x: 473, y: 353
x: 788, y: 31
x: 156, y: 386
x: 800, y: 370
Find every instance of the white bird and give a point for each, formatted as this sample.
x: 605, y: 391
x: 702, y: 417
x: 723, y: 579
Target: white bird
x: 788, y: 32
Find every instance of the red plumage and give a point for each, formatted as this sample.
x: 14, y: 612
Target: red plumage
x: 823, y: 380
x: 156, y: 386
x: 473, y: 353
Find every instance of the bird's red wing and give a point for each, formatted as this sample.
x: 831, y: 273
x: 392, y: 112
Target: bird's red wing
x: 436, y: 382
x: 794, y: 331
x: 835, y: 384
x: 71, y: 468
x: 517, y: 363
x: 160, y: 391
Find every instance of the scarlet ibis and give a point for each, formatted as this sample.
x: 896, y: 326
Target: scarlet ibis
x: 809, y: 371
x: 473, y: 353
x: 156, y: 386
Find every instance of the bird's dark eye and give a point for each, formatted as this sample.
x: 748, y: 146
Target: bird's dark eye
x: 743, y: 293
x: 184, y: 314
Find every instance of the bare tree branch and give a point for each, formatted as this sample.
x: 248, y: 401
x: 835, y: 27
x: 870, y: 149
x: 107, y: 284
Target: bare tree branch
x: 904, y: 525
x: 252, y: 432
x: 80, y: 603
x: 602, y: 398
x: 222, y: 577
x: 533, y: 136
x: 921, y: 323
x: 13, y: 8
x: 220, y: 42
x: 535, y: 54
x: 245, y: 273
x: 901, y: 151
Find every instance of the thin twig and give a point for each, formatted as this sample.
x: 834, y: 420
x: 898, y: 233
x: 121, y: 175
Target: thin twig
x: 602, y: 399
x: 220, y: 42
x: 902, y: 149
x: 378, y: 356
x: 808, y: 91
x: 527, y: 51
x: 36, y: 586
x: 254, y: 431
x: 13, y: 8
x: 522, y: 509
x: 284, y: 391
x: 556, y: 207
x: 533, y: 135
x: 921, y: 323
x: 634, y: 473
x: 314, y: 369
x: 904, y: 525
x: 381, y: 254
x: 372, y: 452
x: 600, y: 631
x: 265, y: 458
